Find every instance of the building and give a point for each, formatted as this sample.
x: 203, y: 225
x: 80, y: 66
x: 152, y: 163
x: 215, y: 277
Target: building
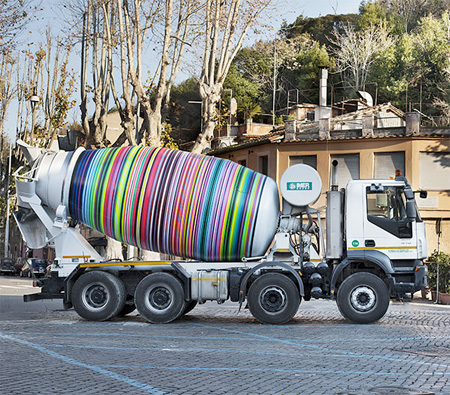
x: 372, y: 148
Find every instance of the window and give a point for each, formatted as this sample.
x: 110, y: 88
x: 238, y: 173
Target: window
x: 347, y: 169
x: 386, y: 163
x: 242, y: 162
x: 263, y: 165
x: 387, y: 209
x: 310, y: 116
x: 310, y: 160
x: 435, y: 171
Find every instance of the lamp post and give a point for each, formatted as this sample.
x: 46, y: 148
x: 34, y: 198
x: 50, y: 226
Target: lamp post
x: 34, y: 100
x: 7, y: 205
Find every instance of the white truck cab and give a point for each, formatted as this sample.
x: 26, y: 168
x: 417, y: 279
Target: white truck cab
x: 377, y: 220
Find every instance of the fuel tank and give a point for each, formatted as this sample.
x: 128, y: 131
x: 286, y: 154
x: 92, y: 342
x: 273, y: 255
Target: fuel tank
x: 164, y: 200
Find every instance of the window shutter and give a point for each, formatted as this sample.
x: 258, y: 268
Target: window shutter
x: 310, y: 160
x: 435, y: 171
x: 387, y: 162
x: 347, y: 169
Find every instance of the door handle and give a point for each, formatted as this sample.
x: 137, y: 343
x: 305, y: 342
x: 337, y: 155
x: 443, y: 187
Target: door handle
x: 370, y: 243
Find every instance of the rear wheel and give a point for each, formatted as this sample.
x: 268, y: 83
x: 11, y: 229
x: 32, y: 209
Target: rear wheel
x: 363, y: 298
x: 273, y: 299
x: 98, y: 296
x: 159, y: 298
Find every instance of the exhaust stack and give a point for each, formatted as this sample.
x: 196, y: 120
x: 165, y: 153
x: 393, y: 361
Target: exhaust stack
x: 335, y: 217
x: 323, y: 86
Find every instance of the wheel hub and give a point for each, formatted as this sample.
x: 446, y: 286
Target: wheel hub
x: 363, y: 298
x: 95, y: 296
x: 273, y: 299
x: 98, y: 296
x: 160, y: 298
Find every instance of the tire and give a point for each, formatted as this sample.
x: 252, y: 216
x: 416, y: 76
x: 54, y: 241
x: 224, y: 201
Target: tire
x: 127, y: 309
x: 273, y: 299
x: 189, y: 307
x: 29, y: 274
x: 363, y: 298
x: 98, y: 296
x: 159, y: 298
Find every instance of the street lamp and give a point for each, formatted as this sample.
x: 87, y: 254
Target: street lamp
x: 34, y: 100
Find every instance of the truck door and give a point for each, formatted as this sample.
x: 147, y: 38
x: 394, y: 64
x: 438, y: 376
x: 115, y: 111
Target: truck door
x: 386, y: 225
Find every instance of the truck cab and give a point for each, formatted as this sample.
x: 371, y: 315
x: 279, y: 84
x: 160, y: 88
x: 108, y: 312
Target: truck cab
x: 383, y: 226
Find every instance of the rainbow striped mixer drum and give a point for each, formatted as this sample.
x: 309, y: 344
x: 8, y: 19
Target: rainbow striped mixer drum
x: 175, y: 202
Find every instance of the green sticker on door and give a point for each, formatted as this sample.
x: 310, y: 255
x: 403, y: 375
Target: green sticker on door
x: 355, y: 243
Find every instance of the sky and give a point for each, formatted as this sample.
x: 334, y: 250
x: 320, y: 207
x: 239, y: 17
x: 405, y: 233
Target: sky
x: 287, y: 10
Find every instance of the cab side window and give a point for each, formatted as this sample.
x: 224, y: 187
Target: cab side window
x: 387, y: 209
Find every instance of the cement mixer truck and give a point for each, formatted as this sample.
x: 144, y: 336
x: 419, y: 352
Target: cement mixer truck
x: 225, y: 231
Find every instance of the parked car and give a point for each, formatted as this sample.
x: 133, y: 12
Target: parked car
x: 36, y: 267
x: 7, y: 266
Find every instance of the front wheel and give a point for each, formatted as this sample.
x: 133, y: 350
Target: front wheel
x: 98, y: 296
x: 159, y: 298
x: 273, y: 299
x: 363, y: 298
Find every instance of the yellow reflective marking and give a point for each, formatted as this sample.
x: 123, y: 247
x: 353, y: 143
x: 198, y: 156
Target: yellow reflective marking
x: 209, y: 279
x: 125, y: 264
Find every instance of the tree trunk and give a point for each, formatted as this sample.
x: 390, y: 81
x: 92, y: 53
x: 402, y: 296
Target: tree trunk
x: 210, y: 98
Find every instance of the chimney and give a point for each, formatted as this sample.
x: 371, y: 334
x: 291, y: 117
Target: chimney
x: 323, y: 75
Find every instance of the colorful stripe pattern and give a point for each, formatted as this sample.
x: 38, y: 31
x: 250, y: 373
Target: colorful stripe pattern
x: 168, y: 201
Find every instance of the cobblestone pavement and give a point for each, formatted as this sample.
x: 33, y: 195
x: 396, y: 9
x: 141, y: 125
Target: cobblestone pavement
x: 215, y: 349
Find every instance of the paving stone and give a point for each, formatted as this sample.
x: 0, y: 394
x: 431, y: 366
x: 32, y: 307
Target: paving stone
x: 215, y: 350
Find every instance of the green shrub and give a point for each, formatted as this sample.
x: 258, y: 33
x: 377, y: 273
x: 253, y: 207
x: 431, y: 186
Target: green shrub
x: 444, y: 271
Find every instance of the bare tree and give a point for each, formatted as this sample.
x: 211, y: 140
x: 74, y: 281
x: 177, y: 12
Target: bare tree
x: 355, y: 51
x: 135, y: 20
x: 13, y: 17
x: 409, y: 11
x: 97, y: 18
x: 44, y: 74
x: 226, y: 24
x: 7, y: 85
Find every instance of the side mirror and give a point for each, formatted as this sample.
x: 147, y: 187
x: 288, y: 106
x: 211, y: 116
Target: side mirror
x: 411, y: 210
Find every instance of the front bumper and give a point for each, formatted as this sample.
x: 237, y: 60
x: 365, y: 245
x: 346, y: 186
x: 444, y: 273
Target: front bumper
x: 416, y: 281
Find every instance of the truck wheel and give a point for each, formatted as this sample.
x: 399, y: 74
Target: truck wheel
x: 98, y: 296
x: 159, y: 298
x: 273, y: 299
x: 363, y: 298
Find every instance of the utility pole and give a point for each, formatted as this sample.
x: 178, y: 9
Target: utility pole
x: 438, y: 232
x: 7, y: 203
x: 274, y: 82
